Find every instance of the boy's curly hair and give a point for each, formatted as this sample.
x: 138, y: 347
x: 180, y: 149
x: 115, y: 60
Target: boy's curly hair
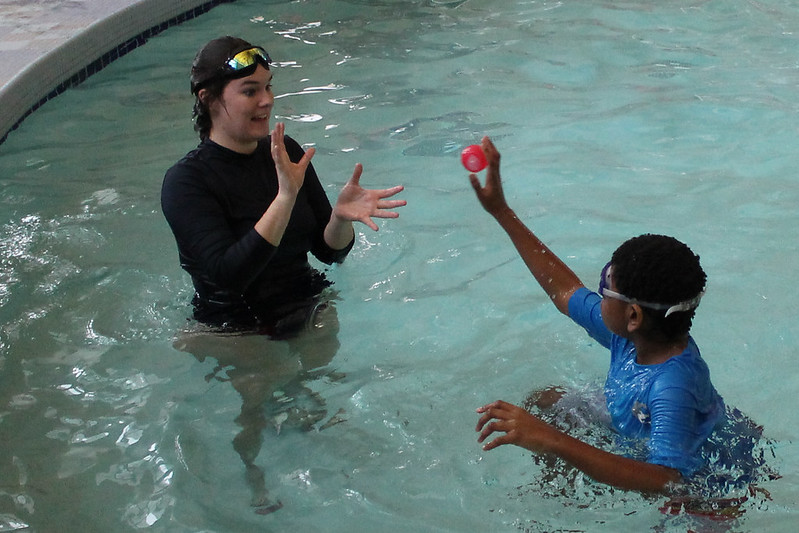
x: 659, y: 269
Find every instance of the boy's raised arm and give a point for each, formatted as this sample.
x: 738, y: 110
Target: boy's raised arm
x: 552, y: 274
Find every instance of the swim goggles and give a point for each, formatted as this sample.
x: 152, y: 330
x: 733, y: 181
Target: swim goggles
x: 236, y: 66
x: 242, y: 62
x: 605, y: 292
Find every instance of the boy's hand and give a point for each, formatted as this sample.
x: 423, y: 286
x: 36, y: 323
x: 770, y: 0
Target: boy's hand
x: 520, y: 428
x: 491, y: 196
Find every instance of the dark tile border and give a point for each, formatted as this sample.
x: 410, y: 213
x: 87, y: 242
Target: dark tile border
x: 115, y: 53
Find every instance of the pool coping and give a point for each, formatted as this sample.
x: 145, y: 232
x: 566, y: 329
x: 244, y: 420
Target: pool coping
x: 89, y: 51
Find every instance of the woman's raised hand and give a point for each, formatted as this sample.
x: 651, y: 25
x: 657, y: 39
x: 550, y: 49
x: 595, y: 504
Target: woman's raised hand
x: 356, y: 203
x: 290, y: 176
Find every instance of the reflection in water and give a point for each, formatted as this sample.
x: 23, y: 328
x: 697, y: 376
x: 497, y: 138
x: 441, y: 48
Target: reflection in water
x: 271, y: 376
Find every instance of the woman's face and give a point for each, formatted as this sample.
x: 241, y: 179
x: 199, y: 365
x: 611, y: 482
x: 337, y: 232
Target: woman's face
x: 240, y: 117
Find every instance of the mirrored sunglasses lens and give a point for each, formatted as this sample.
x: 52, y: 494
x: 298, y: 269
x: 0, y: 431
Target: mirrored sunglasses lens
x: 241, y: 61
x: 247, y: 58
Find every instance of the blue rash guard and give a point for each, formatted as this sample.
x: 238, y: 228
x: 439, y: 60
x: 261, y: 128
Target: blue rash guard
x: 672, y: 404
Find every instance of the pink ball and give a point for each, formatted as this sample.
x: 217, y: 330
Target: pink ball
x: 473, y: 158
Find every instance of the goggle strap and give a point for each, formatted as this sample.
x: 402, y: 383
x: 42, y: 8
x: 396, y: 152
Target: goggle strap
x: 687, y: 305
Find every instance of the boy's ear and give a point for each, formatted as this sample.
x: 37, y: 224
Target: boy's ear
x: 635, y: 317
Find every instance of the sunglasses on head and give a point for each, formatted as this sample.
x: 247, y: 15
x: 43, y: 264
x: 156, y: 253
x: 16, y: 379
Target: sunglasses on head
x: 606, y: 292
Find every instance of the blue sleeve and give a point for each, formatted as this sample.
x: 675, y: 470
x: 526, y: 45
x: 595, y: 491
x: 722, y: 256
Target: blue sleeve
x: 584, y: 309
x: 674, y: 439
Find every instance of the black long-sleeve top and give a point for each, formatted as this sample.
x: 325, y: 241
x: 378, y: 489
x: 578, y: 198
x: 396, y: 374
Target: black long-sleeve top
x: 212, y: 199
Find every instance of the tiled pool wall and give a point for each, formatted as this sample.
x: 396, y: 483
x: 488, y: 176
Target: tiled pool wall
x: 88, y: 52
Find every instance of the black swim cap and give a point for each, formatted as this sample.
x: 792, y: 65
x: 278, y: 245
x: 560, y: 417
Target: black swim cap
x: 210, y: 62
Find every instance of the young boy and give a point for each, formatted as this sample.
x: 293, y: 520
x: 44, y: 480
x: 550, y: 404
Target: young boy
x: 658, y: 387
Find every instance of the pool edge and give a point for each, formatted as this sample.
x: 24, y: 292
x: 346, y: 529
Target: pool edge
x: 88, y: 52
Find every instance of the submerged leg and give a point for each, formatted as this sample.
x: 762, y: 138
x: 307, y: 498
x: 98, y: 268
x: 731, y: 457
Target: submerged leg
x: 544, y: 398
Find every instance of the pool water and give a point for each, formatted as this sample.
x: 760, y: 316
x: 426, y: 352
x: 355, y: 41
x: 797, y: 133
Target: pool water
x: 613, y: 119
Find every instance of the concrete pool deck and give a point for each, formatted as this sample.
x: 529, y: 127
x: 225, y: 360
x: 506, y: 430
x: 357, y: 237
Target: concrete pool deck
x: 47, y: 46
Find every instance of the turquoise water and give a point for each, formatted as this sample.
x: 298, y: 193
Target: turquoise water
x: 613, y: 118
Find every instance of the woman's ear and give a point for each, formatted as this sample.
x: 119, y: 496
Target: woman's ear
x: 202, y: 96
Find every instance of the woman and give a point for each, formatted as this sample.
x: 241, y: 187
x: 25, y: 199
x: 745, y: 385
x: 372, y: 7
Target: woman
x: 246, y: 207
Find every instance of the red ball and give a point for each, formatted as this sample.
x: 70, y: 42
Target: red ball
x: 473, y: 158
